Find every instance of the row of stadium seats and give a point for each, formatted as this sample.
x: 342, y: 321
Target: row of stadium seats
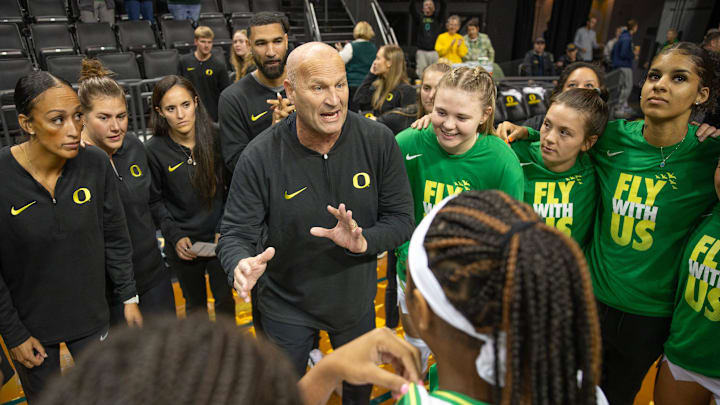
x: 52, y: 11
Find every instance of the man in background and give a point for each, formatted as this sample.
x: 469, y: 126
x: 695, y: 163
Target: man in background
x: 623, y: 55
x: 586, y: 40
x: 478, y: 43
x: 429, y: 22
x: 537, y: 62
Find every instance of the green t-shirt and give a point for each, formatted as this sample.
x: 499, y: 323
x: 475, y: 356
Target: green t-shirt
x: 696, y: 320
x: 417, y: 395
x: 645, y: 214
x: 566, y: 200
x: 434, y: 174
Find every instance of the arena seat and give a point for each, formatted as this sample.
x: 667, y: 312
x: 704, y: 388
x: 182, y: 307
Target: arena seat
x: 10, y: 12
x: 534, y: 98
x: 514, y: 103
x: 161, y: 62
x: 209, y: 9
x: 51, y: 39
x: 124, y: 64
x: 178, y: 34
x: 240, y: 21
x: 500, y: 115
x: 233, y: 7
x: 66, y: 66
x: 266, y: 5
x: 136, y: 36
x: 95, y: 38
x: 12, y: 44
x: 47, y: 11
x: 12, y: 70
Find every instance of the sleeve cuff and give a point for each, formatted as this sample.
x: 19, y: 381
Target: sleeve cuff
x: 133, y: 300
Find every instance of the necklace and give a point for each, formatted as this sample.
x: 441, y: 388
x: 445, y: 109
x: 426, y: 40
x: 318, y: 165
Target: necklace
x: 189, y: 157
x: 665, y: 158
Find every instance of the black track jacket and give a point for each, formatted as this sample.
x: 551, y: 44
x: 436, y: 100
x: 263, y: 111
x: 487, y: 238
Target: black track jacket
x: 281, y: 189
x: 55, y: 253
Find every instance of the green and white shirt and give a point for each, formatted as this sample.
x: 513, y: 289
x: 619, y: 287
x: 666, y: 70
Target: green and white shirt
x: 566, y: 200
x: 434, y: 174
x: 695, y: 327
x: 418, y: 395
x: 646, y: 210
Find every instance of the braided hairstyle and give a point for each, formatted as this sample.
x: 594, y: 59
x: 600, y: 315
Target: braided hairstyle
x: 172, y: 362
x: 533, y: 284
x: 474, y: 80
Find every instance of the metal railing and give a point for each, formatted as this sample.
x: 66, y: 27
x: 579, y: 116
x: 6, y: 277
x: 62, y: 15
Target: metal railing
x: 386, y: 31
x: 311, y: 19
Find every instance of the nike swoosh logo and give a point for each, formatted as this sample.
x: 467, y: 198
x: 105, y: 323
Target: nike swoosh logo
x: 104, y: 336
x: 257, y: 117
x: 290, y: 196
x: 525, y: 163
x: 173, y: 168
x: 411, y: 157
x: 611, y: 154
x: 15, y: 212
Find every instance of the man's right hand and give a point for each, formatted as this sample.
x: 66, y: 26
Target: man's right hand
x: 29, y: 353
x: 248, y: 271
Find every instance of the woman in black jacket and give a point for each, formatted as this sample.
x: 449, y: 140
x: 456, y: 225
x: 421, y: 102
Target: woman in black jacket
x: 386, y: 86
x: 62, y: 231
x: 188, y: 190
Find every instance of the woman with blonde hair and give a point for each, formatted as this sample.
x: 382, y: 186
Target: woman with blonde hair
x: 386, y: 86
x: 241, y: 56
x: 358, y: 56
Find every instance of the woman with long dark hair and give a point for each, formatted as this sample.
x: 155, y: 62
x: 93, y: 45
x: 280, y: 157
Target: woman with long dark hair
x: 62, y: 232
x: 188, y: 189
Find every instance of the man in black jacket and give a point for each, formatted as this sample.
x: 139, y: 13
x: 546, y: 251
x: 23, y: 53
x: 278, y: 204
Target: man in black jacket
x: 537, y: 62
x: 429, y: 24
x: 319, y: 194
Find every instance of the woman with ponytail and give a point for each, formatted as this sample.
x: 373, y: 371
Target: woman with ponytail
x: 188, y: 190
x: 458, y: 152
x: 386, y: 86
x: 105, y: 123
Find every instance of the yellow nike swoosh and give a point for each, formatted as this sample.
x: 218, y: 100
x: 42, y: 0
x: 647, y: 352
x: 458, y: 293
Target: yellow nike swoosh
x: 173, y: 168
x: 257, y: 117
x: 14, y: 212
x: 289, y: 196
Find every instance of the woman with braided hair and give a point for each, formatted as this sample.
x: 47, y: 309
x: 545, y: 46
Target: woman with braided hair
x: 496, y: 292
x: 458, y: 152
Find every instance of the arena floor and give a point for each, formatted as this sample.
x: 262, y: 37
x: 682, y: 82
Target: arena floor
x: 12, y: 393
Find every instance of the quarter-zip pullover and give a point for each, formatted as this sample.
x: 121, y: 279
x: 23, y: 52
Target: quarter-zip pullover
x: 133, y: 174
x: 281, y: 189
x: 56, y: 252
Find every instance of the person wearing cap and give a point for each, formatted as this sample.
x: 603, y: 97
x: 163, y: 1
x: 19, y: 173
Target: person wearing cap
x: 586, y: 40
x: 537, y: 62
x: 570, y: 56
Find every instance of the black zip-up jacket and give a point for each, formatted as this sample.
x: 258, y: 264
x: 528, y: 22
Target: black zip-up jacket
x: 401, y: 96
x: 177, y: 208
x: 56, y: 252
x: 428, y: 28
x: 135, y: 179
x: 281, y: 189
x: 243, y: 114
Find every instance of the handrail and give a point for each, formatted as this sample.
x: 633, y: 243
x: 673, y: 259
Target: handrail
x: 312, y: 20
x: 386, y: 31
x: 347, y: 10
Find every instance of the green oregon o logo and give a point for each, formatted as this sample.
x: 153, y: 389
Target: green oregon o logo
x: 85, y: 196
x: 135, y: 171
x: 208, y: 72
x: 365, y: 181
x: 389, y: 97
x: 369, y: 115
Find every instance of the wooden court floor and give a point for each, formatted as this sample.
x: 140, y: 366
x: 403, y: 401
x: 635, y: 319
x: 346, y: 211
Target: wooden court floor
x: 11, y: 393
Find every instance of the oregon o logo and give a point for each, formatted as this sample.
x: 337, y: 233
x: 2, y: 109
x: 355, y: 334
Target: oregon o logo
x: 85, y: 193
x: 208, y: 72
x: 135, y: 171
x: 369, y: 115
x: 510, y: 101
x: 389, y: 97
x: 365, y: 180
x: 532, y: 99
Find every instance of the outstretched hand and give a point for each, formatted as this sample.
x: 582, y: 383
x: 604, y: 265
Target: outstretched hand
x: 248, y: 271
x: 508, y: 132
x: 346, y: 234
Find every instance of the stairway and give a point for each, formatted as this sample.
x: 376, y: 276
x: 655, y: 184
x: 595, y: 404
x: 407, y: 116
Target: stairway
x: 335, y: 25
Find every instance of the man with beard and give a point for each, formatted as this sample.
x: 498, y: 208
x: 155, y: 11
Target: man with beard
x: 318, y: 195
x: 250, y: 105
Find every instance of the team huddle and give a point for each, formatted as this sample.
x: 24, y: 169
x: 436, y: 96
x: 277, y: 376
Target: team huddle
x: 545, y: 264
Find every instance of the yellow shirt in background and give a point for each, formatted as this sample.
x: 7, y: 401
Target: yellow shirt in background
x: 454, y: 53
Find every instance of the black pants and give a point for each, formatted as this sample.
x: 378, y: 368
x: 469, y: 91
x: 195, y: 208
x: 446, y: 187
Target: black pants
x: 158, y: 300
x: 297, y: 342
x: 191, y: 275
x: 34, y: 379
x: 630, y: 344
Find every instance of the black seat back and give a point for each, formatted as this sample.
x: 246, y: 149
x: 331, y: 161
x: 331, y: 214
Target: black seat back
x: 162, y: 62
x: 240, y: 21
x: 66, y: 67
x: 209, y: 8
x: 10, y: 12
x: 51, y: 39
x: 235, y: 6
x: 266, y: 5
x: 136, y: 36
x: 95, y: 38
x: 514, y: 104
x: 178, y: 34
x: 11, y: 43
x: 47, y: 11
x: 123, y: 64
x: 12, y: 70
x: 534, y: 100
